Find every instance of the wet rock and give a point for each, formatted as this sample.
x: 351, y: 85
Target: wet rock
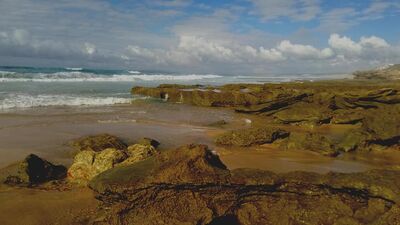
x: 312, y: 142
x: 353, y: 140
x: 191, y: 163
x: 304, y: 113
x: 190, y: 185
x: 98, y: 143
x: 32, y: 171
x: 198, y: 96
x: 269, y: 108
x: 218, y: 123
x: 383, y: 126
x: 251, y: 136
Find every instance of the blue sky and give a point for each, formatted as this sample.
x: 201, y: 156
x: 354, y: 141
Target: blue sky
x: 229, y: 37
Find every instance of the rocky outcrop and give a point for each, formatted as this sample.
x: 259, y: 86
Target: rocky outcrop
x: 89, y: 163
x: 190, y: 185
x: 389, y: 72
x: 251, y: 136
x: 32, y: 171
x: 373, y: 107
x: 98, y: 143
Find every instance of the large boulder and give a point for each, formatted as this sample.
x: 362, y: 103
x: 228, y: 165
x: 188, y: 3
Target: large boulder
x: 32, y: 171
x: 251, y: 136
x: 98, y: 143
x: 89, y: 163
x: 190, y: 185
x: 190, y: 163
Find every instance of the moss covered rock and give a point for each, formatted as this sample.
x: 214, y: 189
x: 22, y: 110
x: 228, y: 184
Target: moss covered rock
x: 251, y: 136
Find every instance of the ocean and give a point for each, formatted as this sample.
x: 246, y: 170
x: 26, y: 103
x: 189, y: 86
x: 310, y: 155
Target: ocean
x: 28, y: 87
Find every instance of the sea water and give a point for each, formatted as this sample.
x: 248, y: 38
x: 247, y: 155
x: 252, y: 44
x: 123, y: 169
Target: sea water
x: 27, y: 87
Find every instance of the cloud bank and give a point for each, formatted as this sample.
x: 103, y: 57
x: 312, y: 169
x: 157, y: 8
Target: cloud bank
x: 186, y: 36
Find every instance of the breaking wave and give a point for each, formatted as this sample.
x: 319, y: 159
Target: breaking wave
x: 15, y: 101
x: 79, y: 76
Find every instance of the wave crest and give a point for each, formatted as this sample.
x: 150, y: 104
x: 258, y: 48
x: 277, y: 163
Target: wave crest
x: 78, y: 76
x: 15, y: 101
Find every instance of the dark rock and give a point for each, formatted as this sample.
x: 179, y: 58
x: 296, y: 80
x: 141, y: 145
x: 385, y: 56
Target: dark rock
x: 275, y: 105
x: 251, y: 136
x: 148, y: 142
x: 32, y: 171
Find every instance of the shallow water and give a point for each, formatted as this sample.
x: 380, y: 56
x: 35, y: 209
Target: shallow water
x: 46, y: 131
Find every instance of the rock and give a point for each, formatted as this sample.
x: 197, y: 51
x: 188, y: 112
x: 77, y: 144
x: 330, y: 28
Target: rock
x: 98, y: 143
x: 218, y: 123
x: 190, y: 185
x: 347, y: 117
x: 385, y: 128
x: 87, y: 164
x: 304, y: 113
x: 202, y: 96
x: 275, y: 105
x: 353, y: 140
x: 312, y: 142
x: 148, y: 142
x: 191, y: 163
x: 139, y: 152
x: 306, y: 104
x: 251, y: 136
x: 33, y: 171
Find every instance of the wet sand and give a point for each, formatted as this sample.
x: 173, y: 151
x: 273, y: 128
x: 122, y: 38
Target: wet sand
x: 47, y: 131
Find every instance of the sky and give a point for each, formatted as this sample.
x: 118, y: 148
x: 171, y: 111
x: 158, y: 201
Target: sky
x: 188, y: 36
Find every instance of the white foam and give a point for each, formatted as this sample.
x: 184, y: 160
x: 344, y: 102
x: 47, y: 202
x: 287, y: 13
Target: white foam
x: 15, y: 101
x: 154, y: 77
x: 76, y: 76
x: 74, y: 68
x: 6, y: 72
x: 134, y: 72
x: 117, y: 121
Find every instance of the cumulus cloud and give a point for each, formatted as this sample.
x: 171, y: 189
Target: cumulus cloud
x: 179, y: 35
x: 364, y: 48
x: 303, y: 51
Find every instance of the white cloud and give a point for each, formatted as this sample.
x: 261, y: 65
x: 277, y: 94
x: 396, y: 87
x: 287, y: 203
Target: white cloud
x: 367, y: 47
x: 344, y: 45
x: 303, y: 51
x: 373, y: 42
